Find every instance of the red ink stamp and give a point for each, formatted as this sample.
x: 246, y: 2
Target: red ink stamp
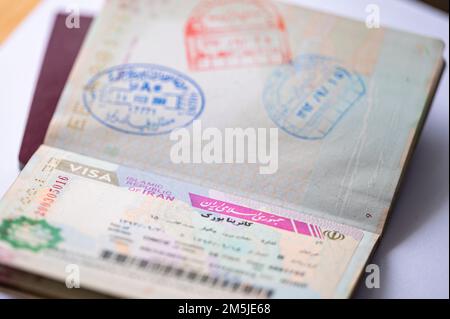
x: 223, y: 34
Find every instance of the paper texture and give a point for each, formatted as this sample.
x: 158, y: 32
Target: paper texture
x: 347, y: 100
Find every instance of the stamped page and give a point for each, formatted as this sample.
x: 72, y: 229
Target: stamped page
x: 341, y: 103
x: 129, y: 233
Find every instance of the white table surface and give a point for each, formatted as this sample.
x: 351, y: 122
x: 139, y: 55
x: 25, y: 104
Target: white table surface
x: 413, y: 255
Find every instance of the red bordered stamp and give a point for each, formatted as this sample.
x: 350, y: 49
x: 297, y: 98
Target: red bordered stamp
x: 222, y: 34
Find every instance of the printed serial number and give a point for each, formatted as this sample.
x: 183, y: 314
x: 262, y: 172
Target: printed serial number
x: 51, y: 195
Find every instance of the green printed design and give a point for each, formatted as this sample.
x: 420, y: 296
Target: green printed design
x: 31, y: 234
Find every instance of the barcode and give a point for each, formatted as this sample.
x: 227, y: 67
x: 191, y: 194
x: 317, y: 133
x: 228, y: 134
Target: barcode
x: 184, y: 274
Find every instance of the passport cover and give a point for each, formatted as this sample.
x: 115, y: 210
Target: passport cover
x: 62, y: 49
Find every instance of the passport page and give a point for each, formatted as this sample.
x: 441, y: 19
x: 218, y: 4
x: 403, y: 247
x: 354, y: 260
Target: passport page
x: 129, y: 233
x: 347, y: 101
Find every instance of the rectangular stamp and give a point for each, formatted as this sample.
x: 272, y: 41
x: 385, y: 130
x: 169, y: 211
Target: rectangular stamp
x: 235, y: 33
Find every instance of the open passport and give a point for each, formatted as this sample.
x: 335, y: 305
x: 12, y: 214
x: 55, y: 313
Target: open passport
x: 103, y: 205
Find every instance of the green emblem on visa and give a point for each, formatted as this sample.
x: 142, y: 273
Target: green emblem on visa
x: 29, y: 234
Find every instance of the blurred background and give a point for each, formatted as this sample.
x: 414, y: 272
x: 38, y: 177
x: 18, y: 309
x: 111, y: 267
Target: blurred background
x: 440, y: 4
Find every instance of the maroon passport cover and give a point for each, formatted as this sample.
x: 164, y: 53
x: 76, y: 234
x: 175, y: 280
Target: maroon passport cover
x: 62, y: 49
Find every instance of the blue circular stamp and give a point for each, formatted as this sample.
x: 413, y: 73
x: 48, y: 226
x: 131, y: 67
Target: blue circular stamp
x: 308, y: 97
x: 143, y: 99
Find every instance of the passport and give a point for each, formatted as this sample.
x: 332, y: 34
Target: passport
x: 103, y: 204
x: 62, y: 49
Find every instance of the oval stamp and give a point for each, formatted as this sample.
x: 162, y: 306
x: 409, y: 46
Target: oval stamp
x: 143, y: 99
x: 223, y: 34
x: 309, y: 97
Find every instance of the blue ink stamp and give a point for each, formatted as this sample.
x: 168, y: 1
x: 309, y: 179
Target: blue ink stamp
x: 143, y: 99
x: 308, y: 97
